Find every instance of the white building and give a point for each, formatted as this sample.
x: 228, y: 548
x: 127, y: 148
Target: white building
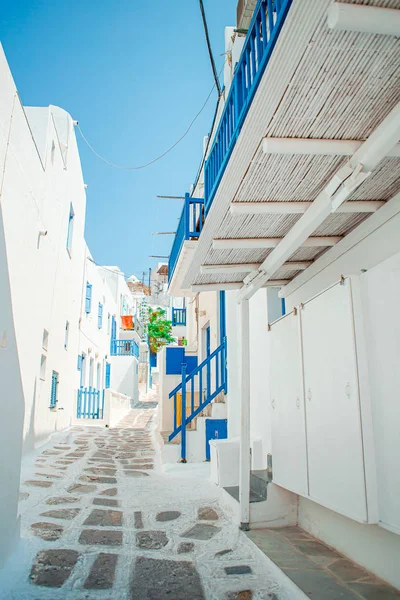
x: 302, y: 204
x: 45, y: 327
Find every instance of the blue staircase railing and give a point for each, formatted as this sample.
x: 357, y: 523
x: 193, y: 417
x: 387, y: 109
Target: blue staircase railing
x: 178, y: 316
x: 89, y: 404
x: 190, y: 226
x: 201, y: 386
x: 267, y: 21
x: 124, y: 348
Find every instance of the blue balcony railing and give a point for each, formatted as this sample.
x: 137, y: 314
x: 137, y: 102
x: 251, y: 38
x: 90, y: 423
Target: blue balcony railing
x: 190, y: 226
x: 178, y: 316
x: 124, y: 348
x: 267, y: 21
x: 197, y: 390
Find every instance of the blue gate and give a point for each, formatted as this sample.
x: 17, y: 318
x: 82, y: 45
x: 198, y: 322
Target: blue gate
x: 89, y: 404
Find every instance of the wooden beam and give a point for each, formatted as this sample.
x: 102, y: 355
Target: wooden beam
x: 283, y: 208
x: 317, y: 147
x: 260, y: 243
x: 298, y: 265
x: 234, y: 285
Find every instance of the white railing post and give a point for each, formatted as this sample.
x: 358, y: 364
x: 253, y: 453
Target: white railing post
x: 245, y: 458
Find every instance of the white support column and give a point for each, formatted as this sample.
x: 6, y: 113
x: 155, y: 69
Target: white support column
x: 245, y: 457
x: 366, y: 19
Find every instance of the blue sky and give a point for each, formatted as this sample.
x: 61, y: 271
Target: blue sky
x: 133, y: 74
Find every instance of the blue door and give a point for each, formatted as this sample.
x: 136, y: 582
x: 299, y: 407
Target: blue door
x: 216, y: 429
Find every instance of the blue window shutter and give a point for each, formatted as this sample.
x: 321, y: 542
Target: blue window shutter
x: 88, y: 300
x: 108, y: 375
x: 53, y: 392
x: 79, y: 362
x: 100, y: 316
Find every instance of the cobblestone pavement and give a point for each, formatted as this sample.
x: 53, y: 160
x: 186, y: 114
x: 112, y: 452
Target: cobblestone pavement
x: 101, y: 519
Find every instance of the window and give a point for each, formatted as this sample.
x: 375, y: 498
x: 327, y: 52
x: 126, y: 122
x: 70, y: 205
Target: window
x: 108, y: 375
x: 70, y: 229
x: 100, y: 316
x: 82, y: 364
x: 88, y: 299
x: 43, y: 360
x: 54, y: 389
x: 80, y: 358
x: 45, y: 342
x: 66, y: 335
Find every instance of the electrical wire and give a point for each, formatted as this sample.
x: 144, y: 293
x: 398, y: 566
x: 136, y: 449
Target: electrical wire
x: 210, y: 54
x: 126, y: 168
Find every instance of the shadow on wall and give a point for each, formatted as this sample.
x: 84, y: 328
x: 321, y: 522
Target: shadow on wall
x: 12, y: 412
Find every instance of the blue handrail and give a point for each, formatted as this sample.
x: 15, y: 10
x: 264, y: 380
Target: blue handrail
x: 124, y: 348
x: 206, y: 381
x: 178, y: 316
x: 88, y: 404
x: 190, y: 226
x: 267, y: 21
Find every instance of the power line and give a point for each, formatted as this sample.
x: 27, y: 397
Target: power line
x: 126, y: 168
x: 214, y: 70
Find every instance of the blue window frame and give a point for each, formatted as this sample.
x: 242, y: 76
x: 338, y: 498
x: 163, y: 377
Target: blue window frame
x: 70, y: 229
x: 88, y: 299
x: 80, y: 362
x: 54, y: 388
x: 108, y: 375
x: 100, y: 316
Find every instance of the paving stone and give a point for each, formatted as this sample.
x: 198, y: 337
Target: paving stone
x: 47, y: 531
x: 314, y: 548
x: 142, y: 466
x: 75, y: 454
x: 102, y: 573
x: 320, y: 585
x: 98, y: 479
x: 62, y: 500
x: 105, y: 502
x: 101, y: 471
x: 62, y: 447
x: 138, y: 520
x: 206, y: 513
x: 378, y: 591
x: 185, y: 547
x: 238, y: 570
x: 50, y: 452
x: 293, y: 533
x: 154, y: 579
x: 62, y: 513
x: 42, y: 484
x: 109, y: 492
x: 201, y: 532
x: 23, y: 496
x: 224, y: 552
x: 243, y: 595
x: 104, y: 518
x: 65, y: 462
x: 52, y: 568
x: 48, y: 475
x: 101, y: 537
x: 347, y: 571
x: 136, y: 474
x: 168, y: 515
x: 79, y: 488
x: 151, y: 540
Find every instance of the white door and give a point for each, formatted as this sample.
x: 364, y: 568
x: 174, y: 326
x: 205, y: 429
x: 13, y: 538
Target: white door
x: 381, y: 293
x: 334, y: 436
x: 289, y: 458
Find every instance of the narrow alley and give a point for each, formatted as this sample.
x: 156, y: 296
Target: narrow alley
x: 100, y: 519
